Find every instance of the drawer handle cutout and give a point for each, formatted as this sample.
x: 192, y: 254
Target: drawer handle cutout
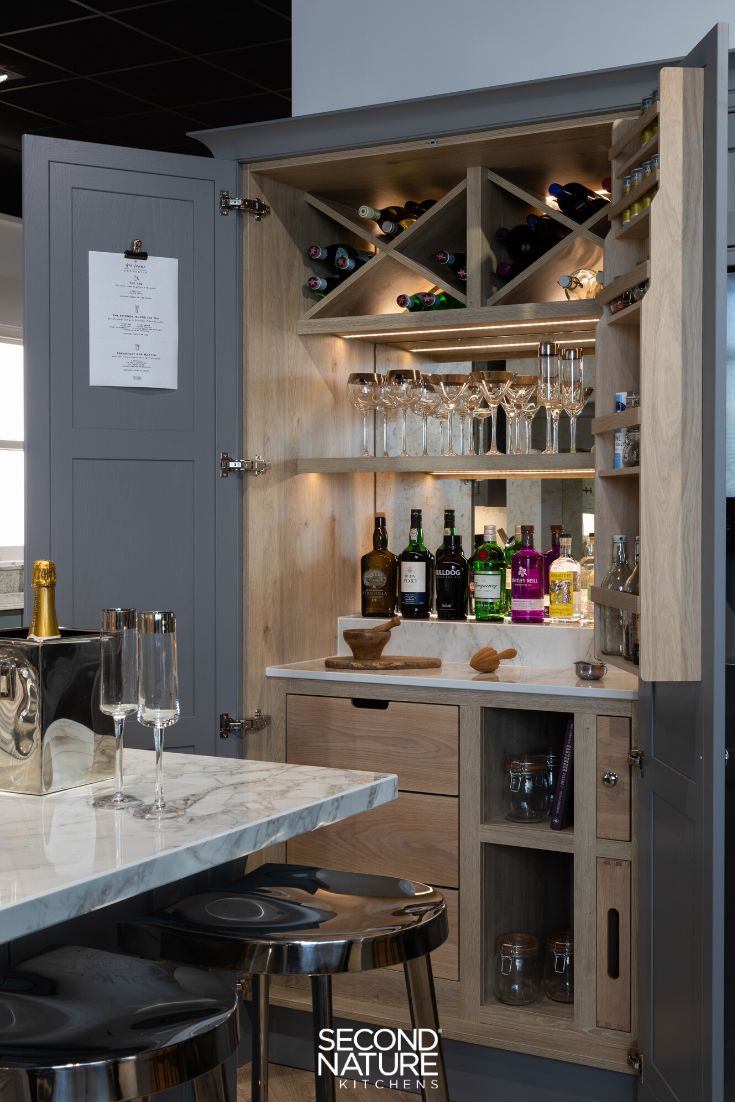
x: 367, y: 702
x: 613, y: 943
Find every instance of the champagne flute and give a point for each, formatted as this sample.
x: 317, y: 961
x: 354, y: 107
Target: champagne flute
x: 549, y: 392
x: 158, y: 696
x: 573, y: 392
x: 118, y: 689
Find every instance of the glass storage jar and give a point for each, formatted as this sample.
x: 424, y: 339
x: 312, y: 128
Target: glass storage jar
x: 632, y: 447
x: 527, y: 788
x: 516, y: 973
x: 559, y: 967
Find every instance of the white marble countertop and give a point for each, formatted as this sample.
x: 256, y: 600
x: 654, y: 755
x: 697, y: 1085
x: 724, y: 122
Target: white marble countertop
x: 61, y: 858
x: 616, y: 685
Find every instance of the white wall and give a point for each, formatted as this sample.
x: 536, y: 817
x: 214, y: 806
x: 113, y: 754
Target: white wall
x: 11, y: 275
x: 352, y: 53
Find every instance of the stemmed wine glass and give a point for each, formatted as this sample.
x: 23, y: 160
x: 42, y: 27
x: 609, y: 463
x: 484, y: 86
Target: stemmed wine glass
x: 158, y: 696
x: 529, y: 410
x: 386, y: 403
x: 451, y: 388
x: 574, y: 395
x: 470, y: 401
x: 363, y: 390
x: 426, y: 401
x: 400, y: 387
x: 549, y: 393
x: 518, y: 397
x: 118, y: 689
x: 494, y: 386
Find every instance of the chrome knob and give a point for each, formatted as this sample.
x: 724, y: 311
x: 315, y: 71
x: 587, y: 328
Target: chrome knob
x: 610, y: 779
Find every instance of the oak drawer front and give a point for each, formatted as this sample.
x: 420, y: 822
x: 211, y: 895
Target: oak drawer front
x: 613, y: 944
x: 419, y: 742
x: 414, y: 837
x: 613, y: 799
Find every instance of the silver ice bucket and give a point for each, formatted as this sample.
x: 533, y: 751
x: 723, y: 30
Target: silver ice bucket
x: 52, y: 733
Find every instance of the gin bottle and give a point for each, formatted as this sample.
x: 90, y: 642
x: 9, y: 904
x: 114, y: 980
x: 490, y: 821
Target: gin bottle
x: 527, y: 581
x: 488, y: 566
x: 616, y: 577
x: 564, y: 594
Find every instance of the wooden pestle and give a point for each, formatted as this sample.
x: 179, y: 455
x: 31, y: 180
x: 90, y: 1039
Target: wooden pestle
x: 394, y: 622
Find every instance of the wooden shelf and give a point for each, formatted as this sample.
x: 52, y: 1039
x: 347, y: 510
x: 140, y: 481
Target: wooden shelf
x: 639, y: 274
x: 635, y: 193
x: 528, y: 835
x: 620, y: 472
x: 620, y: 663
x: 636, y: 159
x: 579, y: 465
x: 612, y: 421
x: 638, y: 227
x: 613, y: 598
x: 632, y: 130
x: 631, y: 315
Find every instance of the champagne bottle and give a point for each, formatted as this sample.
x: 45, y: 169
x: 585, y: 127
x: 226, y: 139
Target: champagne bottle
x: 44, y: 624
x: 378, y: 570
x: 375, y: 214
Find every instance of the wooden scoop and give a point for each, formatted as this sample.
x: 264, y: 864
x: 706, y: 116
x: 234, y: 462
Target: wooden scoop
x: 487, y: 659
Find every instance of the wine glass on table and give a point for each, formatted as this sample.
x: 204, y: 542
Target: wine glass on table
x: 363, y: 391
x: 118, y: 689
x: 574, y: 394
x: 494, y: 386
x: 158, y: 696
x: 400, y: 386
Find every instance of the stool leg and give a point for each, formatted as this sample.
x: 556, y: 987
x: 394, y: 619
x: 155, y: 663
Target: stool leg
x: 321, y: 1001
x: 260, y: 1026
x: 212, y: 1087
x: 424, y: 1015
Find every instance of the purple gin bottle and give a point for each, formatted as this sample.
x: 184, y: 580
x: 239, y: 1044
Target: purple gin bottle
x: 527, y: 582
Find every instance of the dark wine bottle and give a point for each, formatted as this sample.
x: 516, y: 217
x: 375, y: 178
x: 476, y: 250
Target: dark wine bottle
x: 451, y: 580
x: 547, y: 228
x: 375, y: 214
x: 576, y: 200
x: 413, y: 303
x: 440, y: 301
x: 322, y: 285
x: 350, y: 263
x: 419, y: 208
x: 328, y: 254
x: 451, y: 260
x: 416, y: 578
x: 378, y: 574
x: 519, y: 242
x: 507, y: 271
x: 449, y: 530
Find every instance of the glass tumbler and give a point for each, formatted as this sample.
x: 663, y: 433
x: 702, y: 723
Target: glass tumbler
x: 516, y: 979
x: 527, y: 788
x: 559, y: 967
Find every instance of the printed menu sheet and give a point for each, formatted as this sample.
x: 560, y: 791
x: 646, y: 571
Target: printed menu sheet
x: 133, y: 321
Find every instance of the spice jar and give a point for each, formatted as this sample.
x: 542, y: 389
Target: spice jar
x: 559, y: 967
x: 528, y: 788
x: 516, y: 974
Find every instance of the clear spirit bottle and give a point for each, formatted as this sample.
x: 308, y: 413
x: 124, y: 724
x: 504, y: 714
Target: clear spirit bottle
x: 564, y: 592
x: 616, y: 577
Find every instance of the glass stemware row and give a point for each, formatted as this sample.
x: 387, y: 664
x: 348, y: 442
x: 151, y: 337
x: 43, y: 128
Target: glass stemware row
x: 473, y: 397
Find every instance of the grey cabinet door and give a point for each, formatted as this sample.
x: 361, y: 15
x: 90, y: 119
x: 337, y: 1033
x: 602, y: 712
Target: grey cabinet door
x: 122, y: 486
x: 682, y: 792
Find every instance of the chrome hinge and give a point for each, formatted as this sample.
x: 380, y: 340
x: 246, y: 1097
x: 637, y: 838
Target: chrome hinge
x: 228, y: 465
x: 635, y: 757
x: 256, y: 207
x: 229, y: 726
x: 635, y: 1061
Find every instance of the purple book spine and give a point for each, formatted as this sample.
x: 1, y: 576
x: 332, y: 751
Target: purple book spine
x: 561, y: 808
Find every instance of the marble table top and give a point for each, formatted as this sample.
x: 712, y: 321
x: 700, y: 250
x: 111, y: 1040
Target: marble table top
x: 60, y: 857
x: 615, y: 685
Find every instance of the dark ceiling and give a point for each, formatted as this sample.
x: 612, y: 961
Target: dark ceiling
x: 138, y: 73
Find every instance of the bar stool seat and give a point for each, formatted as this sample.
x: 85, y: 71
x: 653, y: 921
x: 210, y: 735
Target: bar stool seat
x: 80, y: 1023
x: 299, y: 920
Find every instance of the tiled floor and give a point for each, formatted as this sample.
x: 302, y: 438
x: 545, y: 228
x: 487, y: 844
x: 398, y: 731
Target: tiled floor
x: 291, y: 1085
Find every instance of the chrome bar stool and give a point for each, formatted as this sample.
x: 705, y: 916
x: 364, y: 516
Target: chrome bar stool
x: 294, y: 920
x: 82, y: 1025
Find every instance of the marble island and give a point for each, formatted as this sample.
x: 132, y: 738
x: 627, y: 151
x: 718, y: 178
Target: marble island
x: 61, y: 858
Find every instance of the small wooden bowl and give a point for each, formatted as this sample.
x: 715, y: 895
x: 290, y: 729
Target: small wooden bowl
x: 365, y: 642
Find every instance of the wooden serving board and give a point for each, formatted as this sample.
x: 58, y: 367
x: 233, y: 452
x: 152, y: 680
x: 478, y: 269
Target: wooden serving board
x: 397, y: 662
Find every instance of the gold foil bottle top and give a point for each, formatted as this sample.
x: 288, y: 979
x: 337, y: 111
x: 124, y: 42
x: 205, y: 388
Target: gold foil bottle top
x: 44, y: 573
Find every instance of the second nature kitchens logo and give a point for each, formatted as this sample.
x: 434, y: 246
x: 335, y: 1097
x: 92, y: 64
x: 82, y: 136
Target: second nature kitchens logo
x: 389, y: 1059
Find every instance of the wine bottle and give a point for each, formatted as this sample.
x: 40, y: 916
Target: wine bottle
x: 547, y: 228
x: 576, y: 200
x: 322, y: 285
x: 451, y: 260
x: 488, y: 566
x: 411, y: 302
x: 328, y: 254
x: 520, y: 243
x: 451, y: 580
x: 527, y: 581
x: 440, y: 301
x: 44, y: 624
x: 376, y: 214
x: 392, y: 228
x: 378, y: 573
x: 419, y: 208
x: 507, y: 271
x: 449, y: 530
x: 349, y: 264
x: 416, y: 578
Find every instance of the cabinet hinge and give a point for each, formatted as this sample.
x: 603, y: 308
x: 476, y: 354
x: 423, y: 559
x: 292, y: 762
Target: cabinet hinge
x: 635, y: 757
x: 228, y: 465
x: 635, y: 1061
x: 229, y: 726
x: 256, y: 207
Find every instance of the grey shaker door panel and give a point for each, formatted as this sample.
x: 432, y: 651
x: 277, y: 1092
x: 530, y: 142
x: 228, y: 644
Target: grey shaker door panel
x: 122, y: 484
x: 682, y: 728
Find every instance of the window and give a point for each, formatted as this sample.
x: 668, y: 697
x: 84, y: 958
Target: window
x: 11, y: 449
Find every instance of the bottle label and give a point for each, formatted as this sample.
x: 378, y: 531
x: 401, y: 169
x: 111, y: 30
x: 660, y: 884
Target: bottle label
x: 528, y: 604
x: 508, y: 577
x: 375, y: 579
x: 413, y: 579
x: 561, y: 594
x: 488, y: 587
